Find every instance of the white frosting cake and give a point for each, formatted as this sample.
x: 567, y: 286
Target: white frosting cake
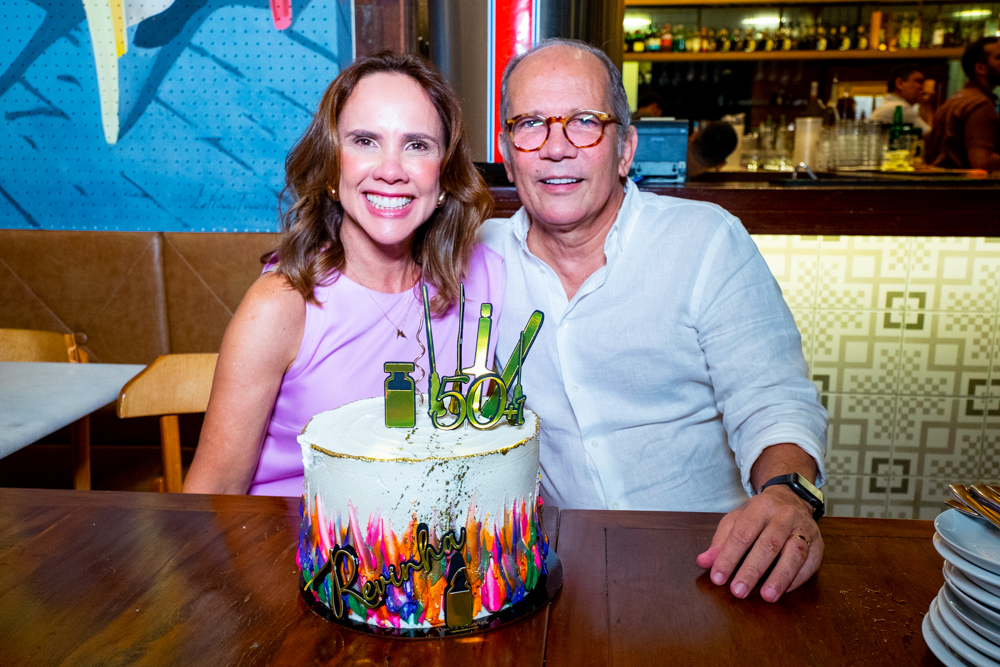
x: 371, y: 489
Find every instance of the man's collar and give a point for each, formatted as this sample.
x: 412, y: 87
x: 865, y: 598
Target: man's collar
x: 619, y: 232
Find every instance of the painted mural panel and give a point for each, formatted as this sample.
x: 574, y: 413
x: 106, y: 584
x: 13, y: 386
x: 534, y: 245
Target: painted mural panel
x: 163, y: 115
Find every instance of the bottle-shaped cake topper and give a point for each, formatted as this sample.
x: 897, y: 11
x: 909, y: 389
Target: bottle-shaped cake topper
x: 450, y: 403
x: 458, y: 596
x: 400, y: 395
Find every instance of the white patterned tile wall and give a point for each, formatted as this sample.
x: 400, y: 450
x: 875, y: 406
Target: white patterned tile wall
x: 902, y: 339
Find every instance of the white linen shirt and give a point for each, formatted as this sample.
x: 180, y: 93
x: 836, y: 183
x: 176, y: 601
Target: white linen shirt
x: 678, y: 349
x: 911, y: 113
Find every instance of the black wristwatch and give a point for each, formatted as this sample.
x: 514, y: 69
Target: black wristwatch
x: 803, y: 488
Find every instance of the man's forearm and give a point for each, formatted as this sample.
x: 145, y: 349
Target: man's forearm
x: 981, y: 158
x: 780, y: 460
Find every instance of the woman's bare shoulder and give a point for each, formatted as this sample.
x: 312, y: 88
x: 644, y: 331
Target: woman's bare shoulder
x: 271, y: 295
x: 271, y: 320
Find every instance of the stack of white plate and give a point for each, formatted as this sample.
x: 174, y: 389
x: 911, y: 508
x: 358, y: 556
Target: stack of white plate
x: 963, y: 625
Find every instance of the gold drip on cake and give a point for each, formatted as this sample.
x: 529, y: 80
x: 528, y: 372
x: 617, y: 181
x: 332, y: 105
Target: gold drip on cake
x: 368, y: 459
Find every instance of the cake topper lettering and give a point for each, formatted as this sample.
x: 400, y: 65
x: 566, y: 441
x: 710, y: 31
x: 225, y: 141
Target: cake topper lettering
x: 343, y: 568
x: 449, y: 403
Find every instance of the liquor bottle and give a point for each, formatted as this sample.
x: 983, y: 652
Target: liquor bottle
x: 896, y: 130
x: 750, y: 42
x: 786, y: 39
x: 937, y: 35
x: 904, y: 32
x: 796, y: 35
x: 724, y: 42
x: 680, y: 40
x: 845, y: 105
x: 736, y: 40
x: 810, y: 40
x: 694, y: 41
x: 916, y: 31
x: 821, y: 42
x: 975, y: 32
x: 704, y: 39
x: 845, y: 39
x: 831, y: 117
x: 666, y: 39
x: 768, y: 40
x: 861, y: 44
x: 653, y: 39
x: 638, y: 42
x: 814, y: 109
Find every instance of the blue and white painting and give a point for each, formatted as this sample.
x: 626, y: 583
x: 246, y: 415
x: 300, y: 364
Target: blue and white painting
x: 201, y: 103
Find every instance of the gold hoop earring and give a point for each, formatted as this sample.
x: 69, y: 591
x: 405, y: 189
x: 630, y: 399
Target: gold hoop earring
x: 333, y: 194
x: 440, y: 200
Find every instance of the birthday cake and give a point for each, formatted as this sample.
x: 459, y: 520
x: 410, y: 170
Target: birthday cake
x: 419, y: 527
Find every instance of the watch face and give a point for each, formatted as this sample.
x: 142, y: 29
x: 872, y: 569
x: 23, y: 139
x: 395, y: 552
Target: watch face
x: 808, y: 486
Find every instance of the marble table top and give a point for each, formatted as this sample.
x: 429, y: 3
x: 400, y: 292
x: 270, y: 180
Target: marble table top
x: 39, y: 398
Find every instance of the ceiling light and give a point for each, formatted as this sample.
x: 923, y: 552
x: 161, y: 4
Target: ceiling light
x: 765, y: 21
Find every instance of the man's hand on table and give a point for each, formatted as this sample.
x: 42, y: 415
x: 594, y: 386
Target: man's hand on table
x: 774, y: 524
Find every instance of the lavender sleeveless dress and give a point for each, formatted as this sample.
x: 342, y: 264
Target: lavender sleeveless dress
x: 345, y: 344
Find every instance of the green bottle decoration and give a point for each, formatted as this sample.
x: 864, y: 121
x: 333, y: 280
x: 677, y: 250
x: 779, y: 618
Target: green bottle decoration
x: 400, y: 395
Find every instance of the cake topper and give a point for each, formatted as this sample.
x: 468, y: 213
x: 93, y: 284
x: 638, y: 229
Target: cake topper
x: 447, y: 396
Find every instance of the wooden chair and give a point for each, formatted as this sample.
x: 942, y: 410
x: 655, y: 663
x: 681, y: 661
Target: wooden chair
x: 172, y: 385
x: 49, y: 346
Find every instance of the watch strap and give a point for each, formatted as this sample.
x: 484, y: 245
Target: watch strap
x: 797, y: 483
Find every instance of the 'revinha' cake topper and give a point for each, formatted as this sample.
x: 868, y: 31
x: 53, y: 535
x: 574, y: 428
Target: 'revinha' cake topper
x: 450, y: 408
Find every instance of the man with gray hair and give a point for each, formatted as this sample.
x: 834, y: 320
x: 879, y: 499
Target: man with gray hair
x: 667, y: 348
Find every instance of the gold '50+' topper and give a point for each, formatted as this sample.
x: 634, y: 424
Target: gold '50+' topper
x: 507, y: 399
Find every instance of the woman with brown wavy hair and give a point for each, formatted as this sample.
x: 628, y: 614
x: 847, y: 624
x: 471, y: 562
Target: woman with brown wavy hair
x: 386, y: 200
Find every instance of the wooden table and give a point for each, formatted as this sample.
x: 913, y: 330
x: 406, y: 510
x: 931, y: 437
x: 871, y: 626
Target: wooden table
x: 156, y: 579
x: 39, y: 398
x: 633, y: 595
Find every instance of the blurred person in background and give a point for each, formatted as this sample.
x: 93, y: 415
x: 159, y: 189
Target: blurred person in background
x: 650, y: 105
x: 709, y: 147
x: 966, y: 128
x: 906, y: 89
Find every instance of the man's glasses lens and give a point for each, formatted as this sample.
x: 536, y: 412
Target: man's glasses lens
x: 582, y: 129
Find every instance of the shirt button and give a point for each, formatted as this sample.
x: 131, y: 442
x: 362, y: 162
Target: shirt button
x: 575, y: 388
x: 593, y: 443
x: 615, y: 506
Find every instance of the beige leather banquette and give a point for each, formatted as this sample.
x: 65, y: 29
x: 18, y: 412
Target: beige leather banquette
x: 133, y: 295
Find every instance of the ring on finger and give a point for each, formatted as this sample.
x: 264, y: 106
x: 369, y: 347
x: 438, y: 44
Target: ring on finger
x: 801, y: 537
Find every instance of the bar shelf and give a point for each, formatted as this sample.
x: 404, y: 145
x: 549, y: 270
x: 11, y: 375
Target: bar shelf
x: 867, y: 54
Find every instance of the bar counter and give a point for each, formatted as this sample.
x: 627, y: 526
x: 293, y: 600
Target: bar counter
x: 893, y: 206
x: 90, y: 578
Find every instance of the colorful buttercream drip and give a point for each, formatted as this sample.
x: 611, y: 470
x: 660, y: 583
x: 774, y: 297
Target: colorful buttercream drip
x: 423, y: 577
